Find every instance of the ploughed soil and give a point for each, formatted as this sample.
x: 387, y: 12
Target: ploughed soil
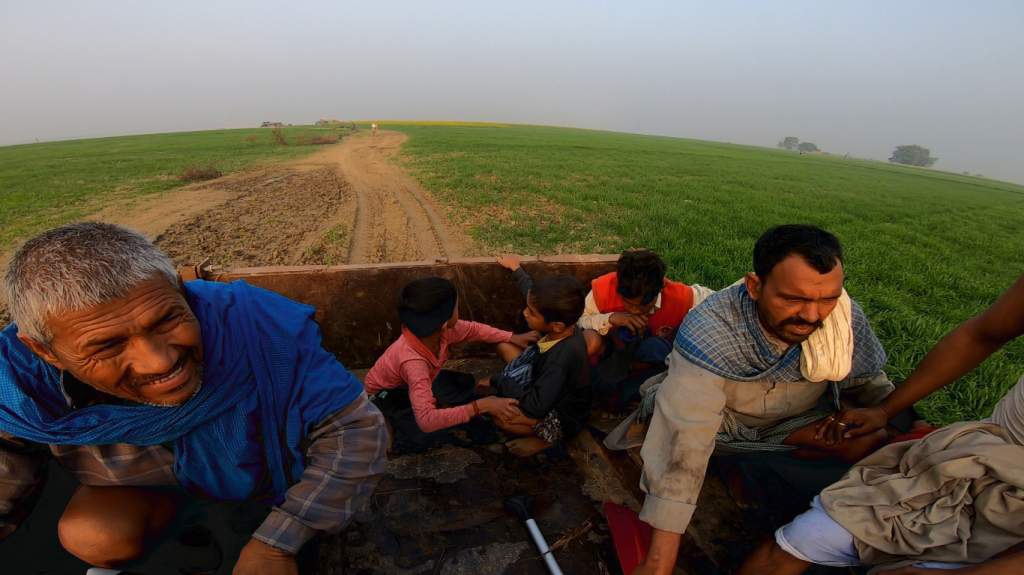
x: 346, y: 203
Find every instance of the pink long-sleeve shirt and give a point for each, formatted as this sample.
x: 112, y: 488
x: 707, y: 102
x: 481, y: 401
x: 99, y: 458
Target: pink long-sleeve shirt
x: 408, y: 362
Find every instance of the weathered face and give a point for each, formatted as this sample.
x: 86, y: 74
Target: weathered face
x: 795, y: 298
x: 145, y: 347
x: 636, y: 306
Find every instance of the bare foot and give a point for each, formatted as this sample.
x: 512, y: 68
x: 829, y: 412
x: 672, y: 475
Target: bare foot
x: 527, y: 446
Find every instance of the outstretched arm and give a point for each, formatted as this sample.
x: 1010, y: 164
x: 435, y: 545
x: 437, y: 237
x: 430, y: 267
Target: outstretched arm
x: 963, y: 349
x: 959, y: 352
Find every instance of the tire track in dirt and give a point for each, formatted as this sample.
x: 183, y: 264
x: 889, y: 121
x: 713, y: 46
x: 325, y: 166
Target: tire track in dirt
x: 395, y: 219
x: 282, y: 215
x: 345, y: 203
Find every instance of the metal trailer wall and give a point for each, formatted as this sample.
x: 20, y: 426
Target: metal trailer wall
x: 357, y: 304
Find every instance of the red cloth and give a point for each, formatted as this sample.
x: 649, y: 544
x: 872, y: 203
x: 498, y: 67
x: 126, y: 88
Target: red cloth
x: 676, y: 301
x: 408, y: 362
x: 918, y: 432
x: 630, y: 536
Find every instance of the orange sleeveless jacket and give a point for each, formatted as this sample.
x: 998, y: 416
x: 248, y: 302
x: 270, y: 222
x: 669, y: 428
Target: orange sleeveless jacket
x: 676, y: 301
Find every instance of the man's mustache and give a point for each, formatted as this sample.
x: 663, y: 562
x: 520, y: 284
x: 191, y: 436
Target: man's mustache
x: 138, y: 382
x: 801, y: 323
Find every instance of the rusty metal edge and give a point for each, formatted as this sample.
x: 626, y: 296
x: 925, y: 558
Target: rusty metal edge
x: 202, y: 271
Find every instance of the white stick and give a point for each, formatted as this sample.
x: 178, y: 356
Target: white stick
x: 542, y: 545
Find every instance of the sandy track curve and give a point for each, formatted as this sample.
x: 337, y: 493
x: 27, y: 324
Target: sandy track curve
x: 395, y: 220
x: 345, y: 203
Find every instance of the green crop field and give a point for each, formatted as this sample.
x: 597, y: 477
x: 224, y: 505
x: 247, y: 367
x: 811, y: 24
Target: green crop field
x: 47, y: 184
x: 924, y: 249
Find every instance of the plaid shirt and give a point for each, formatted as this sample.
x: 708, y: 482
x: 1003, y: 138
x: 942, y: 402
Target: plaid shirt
x: 344, y: 460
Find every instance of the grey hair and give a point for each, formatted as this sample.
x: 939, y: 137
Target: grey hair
x: 76, y: 267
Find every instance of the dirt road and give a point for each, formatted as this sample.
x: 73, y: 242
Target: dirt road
x: 395, y: 219
x: 345, y: 203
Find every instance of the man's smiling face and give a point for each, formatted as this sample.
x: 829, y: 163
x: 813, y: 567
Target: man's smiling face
x: 145, y: 347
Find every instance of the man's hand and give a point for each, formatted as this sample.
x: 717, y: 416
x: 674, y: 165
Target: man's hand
x: 500, y: 407
x: 850, y: 424
x: 632, y: 322
x: 258, y: 558
x: 511, y: 262
x: 524, y: 340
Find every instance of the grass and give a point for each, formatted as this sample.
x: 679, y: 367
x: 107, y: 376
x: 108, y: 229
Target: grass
x: 331, y: 249
x: 48, y: 184
x: 925, y: 249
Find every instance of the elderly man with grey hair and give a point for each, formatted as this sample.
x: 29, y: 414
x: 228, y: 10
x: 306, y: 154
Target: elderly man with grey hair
x: 153, y: 392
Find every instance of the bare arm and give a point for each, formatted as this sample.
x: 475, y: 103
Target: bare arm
x: 956, y: 354
x: 1007, y: 565
x: 661, y: 555
x: 963, y: 349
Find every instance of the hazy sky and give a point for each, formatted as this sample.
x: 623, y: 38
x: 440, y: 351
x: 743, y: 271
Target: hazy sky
x: 853, y: 77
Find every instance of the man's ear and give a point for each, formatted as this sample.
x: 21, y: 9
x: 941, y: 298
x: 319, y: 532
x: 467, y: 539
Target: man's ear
x: 557, y: 327
x: 754, y: 285
x: 42, y: 350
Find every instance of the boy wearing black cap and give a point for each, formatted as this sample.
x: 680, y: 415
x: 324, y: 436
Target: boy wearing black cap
x: 409, y: 371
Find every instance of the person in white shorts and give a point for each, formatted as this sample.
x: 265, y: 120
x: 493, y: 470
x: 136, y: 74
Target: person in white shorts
x: 950, y: 502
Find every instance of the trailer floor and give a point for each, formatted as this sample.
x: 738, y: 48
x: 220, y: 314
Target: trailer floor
x: 442, y: 513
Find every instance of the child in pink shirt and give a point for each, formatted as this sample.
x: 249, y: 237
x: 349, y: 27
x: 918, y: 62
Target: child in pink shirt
x: 409, y: 376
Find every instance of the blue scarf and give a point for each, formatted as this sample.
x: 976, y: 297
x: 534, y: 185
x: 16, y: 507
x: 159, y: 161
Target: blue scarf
x: 723, y: 335
x: 266, y: 383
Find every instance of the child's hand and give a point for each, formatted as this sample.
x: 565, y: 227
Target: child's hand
x: 500, y: 407
x: 632, y: 322
x: 524, y: 340
x: 511, y: 262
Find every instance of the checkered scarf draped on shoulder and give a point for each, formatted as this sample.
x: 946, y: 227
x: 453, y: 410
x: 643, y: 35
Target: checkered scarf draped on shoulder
x: 723, y: 336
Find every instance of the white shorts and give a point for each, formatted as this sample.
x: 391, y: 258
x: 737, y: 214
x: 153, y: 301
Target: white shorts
x: 816, y: 538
